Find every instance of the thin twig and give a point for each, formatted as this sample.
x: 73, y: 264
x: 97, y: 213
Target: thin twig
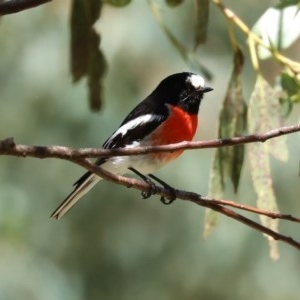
x: 188, y: 196
x: 14, y: 6
x: 229, y: 14
x: 79, y: 156
x: 255, y: 210
x: 10, y: 148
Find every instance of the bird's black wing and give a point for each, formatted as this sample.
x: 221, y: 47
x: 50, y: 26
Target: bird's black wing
x: 134, y: 128
x: 139, y: 123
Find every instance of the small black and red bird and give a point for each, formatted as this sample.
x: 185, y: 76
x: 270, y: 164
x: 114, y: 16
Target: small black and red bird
x: 168, y: 115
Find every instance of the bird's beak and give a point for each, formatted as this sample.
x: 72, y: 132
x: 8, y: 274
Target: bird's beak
x: 207, y: 89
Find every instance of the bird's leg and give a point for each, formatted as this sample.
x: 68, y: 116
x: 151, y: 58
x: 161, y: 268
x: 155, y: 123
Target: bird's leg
x: 170, y: 189
x: 152, y: 187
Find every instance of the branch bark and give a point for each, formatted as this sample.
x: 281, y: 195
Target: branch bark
x: 14, y: 6
x: 79, y: 157
x: 213, y: 204
x: 8, y: 147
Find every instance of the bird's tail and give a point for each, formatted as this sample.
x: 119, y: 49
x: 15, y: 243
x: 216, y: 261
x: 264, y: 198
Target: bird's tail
x: 82, y: 186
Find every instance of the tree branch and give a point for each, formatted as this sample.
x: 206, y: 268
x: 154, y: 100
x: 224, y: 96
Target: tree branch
x: 79, y: 156
x: 213, y: 204
x: 14, y: 6
x: 230, y: 15
x: 8, y: 147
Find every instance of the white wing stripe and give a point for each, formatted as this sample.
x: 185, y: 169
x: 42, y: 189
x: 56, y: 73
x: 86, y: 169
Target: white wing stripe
x: 132, y: 124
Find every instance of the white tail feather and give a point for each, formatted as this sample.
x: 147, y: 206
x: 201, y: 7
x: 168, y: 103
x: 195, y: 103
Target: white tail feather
x: 76, y: 194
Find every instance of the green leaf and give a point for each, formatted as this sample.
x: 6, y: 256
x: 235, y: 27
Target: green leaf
x: 278, y: 28
x: 202, y: 15
x: 232, y: 123
x: 79, y: 41
x: 264, y: 113
x: 117, y: 3
x: 216, y: 189
x: 269, y: 115
x: 86, y: 57
x: 286, y: 3
x: 228, y: 161
x: 96, y: 71
x: 173, y: 3
x: 187, y: 55
x: 289, y: 84
x: 286, y: 105
x: 262, y: 181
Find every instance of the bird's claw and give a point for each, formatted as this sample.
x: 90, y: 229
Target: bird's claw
x: 151, y: 191
x: 170, y: 199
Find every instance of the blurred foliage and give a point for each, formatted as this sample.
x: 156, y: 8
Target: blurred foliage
x: 113, y: 245
x: 86, y: 56
x: 286, y: 3
x: 264, y: 106
x: 270, y: 34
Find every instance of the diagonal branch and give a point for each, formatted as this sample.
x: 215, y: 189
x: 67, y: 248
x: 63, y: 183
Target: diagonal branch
x: 79, y: 156
x: 14, y: 6
x: 255, y: 210
x: 188, y: 196
x: 8, y: 147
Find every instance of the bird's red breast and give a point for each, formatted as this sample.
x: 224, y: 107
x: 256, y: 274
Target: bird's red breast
x: 179, y: 126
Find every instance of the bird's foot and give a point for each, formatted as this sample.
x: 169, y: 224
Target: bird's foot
x: 172, y: 197
x: 152, y: 187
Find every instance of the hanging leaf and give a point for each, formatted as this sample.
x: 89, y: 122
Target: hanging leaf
x: 173, y: 3
x: 187, y: 55
x: 215, y: 188
x: 117, y: 3
x: 86, y: 57
x: 79, y: 41
x: 96, y: 71
x: 202, y: 15
x: 270, y: 116
x: 290, y: 83
x: 228, y: 161
x: 285, y: 3
x: 262, y: 181
x: 277, y: 28
x: 264, y: 113
x: 232, y: 123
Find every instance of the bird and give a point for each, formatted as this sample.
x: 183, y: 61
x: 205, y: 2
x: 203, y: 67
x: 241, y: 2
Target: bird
x: 168, y: 115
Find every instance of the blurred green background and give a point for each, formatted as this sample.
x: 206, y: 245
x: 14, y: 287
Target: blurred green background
x: 113, y: 245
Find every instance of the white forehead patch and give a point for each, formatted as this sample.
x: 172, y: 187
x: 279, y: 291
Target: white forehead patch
x: 196, y: 81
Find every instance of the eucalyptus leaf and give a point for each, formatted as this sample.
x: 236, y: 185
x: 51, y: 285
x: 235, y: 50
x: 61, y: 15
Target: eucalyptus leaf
x: 233, y: 123
x: 289, y: 84
x: 269, y: 115
x: 202, y: 16
x: 96, y: 71
x: 86, y: 56
x: 174, y: 3
x: 263, y: 115
x: 285, y: 3
x: 79, y: 41
x: 228, y: 161
x: 279, y: 28
x: 187, y: 55
x: 216, y: 189
x: 117, y: 3
x: 263, y: 185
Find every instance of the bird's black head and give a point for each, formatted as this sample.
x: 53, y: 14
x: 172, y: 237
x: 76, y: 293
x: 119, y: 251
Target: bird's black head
x: 182, y: 89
